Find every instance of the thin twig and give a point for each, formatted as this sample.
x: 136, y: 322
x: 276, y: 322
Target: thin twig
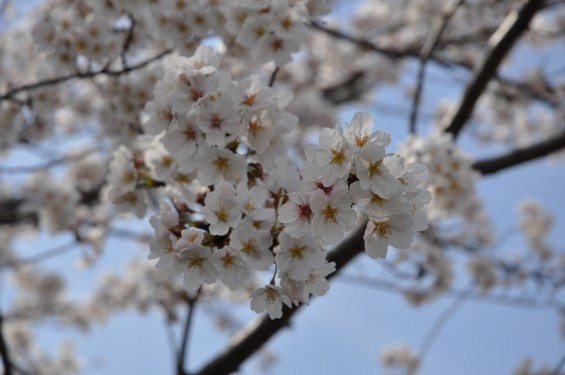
x: 83, y: 75
x: 42, y: 256
x: 273, y: 76
x: 439, y: 324
x: 182, y: 354
x: 472, y: 296
x: 48, y: 165
x: 386, y: 51
x: 127, y: 42
x: 171, y: 339
x: 500, y: 44
x: 425, y: 54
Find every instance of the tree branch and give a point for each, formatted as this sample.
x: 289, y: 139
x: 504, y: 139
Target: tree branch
x: 559, y: 366
x: 520, y: 155
x: 47, y: 165
x: 181, y: 355
x: 425, y: 54
x: 385, y: 51
x: 4, y: 353
x: 546, y: 94
x: 440, y: 322
x: 251, y: 338
x: 500, y: 43
x: 42, y: 256
x: 83, y: 75
x: 469, y: 294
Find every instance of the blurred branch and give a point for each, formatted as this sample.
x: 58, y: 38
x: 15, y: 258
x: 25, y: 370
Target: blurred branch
x: 274, y: 76
x: 469, y: 294
x: 559, y: 366
x: 252, y: 337
x: 440, y: 322
x: 500, y: 44
x: 182, y: 353
x: 4, y: 4
x: 40, y: 257
x: 13, y: 211
x: 83, y: 75
x: 520, y: 155
x: 385, y: 51
x: 4, y: 353
x: 50, y: 164
x: 128, y: 41
x: 352, y: 88
x: 425, y: 54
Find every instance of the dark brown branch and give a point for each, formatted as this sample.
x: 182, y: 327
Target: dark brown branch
x: 386, y: 51
x: 83, y: 75
x: 520, y: 155
x: 4, y: 353
x: 274, y: 76
x: 182, y: 354
x: 559, y: 366
x: 500, y: 44
x: 12, y: 210
x: 351, y: 89
x: 128, y: 41
x: 249, y: 340
x: 425, y: 54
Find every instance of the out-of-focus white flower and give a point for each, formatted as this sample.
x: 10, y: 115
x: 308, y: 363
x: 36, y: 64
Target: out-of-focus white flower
x: 271, y: 299
x: 197, y: 265
x: 400, y: 356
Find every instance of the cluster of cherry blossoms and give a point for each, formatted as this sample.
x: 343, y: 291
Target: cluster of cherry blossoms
x: 263, y: 31
x: 218, y: 150
x: 452, y: 178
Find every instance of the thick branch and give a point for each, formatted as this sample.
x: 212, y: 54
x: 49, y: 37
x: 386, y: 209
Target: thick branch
x: 351, y: 89
x: 254, y: 336
x: 520, y: 155
x: 249, y: 340
x: 500, y: 44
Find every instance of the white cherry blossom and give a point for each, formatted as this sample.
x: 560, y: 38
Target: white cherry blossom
x: 221, y: 209
x: 333, y: 216
x: 254, y: 245
x: 232, y: 269
x: 269, y: 298
x: 197, y: 266
x: 298, y: 256
x: 380, y: 233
